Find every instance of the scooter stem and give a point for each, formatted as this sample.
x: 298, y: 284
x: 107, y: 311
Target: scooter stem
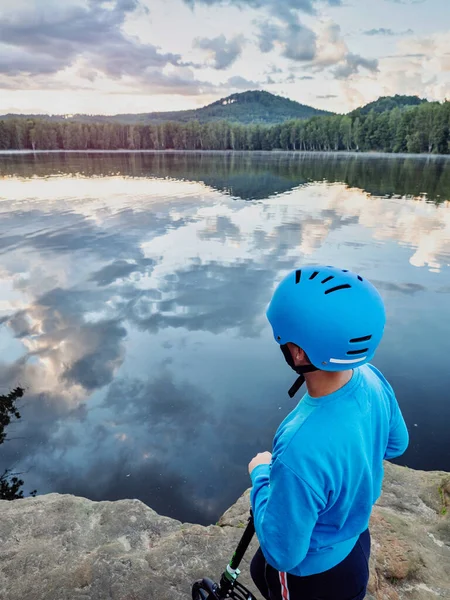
x: 243, y: 544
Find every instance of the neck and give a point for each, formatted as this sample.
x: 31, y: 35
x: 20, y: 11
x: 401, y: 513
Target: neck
x: 323, y: 383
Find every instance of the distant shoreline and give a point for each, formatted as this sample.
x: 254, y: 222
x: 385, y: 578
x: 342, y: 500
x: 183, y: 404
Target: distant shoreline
x: 237, y: 152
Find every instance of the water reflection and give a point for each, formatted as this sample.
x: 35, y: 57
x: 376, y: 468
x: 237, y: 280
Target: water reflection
x: 250, y: 176
x: 132, y: 308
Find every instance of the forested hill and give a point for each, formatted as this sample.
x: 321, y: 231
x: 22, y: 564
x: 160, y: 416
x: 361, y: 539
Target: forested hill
x: 388, y: 103
x: 424, y: 127
x: 245, y: 108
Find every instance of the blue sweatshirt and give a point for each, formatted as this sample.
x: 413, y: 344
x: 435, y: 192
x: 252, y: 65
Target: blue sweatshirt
x: 314, y: 500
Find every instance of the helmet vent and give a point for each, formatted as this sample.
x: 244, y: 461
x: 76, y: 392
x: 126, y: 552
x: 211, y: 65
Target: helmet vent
x: 298, y: 275
x: 361, y: 339
x: 345, y: 286
x: 360, y: 278
x: 314, y: 274
x: 352, y: 352
x: 328, y: 279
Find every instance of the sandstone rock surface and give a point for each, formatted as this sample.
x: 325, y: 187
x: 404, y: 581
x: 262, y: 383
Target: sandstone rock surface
x: 66, y: 548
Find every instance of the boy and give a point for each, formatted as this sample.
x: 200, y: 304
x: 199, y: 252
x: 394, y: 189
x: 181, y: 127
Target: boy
x: 313, y: 497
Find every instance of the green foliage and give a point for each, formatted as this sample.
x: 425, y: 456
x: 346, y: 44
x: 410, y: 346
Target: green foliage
x: 10, y: 484
x: 8, y: 410
x: 245, y: 108
x: 442, y: 496
x: 388, y: 103
x: 420, y: 129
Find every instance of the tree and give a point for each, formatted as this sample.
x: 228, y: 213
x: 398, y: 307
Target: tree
x: 439, y: 127
x: 18, y: 134
x: 285, y: 137
x: 10, y: 484
x: 345, y: 130
x: 404, y: 125
x: 357, y: 134
x: 4, y: 136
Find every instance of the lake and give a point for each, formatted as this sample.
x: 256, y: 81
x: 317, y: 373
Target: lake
x: 133, y: 290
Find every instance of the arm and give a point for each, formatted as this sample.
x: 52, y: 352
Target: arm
x: 398, y: 433
x: 285, y: 510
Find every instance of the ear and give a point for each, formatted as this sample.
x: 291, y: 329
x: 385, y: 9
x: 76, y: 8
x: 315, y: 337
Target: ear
x: 298, y: 355
x: 304, y: 357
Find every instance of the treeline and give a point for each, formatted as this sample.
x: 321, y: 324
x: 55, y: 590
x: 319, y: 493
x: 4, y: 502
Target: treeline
x: 418, y: 129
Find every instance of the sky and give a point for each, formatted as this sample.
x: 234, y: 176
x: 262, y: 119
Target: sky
x: 130, y: 56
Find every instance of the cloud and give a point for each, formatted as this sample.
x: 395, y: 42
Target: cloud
x: 223, y: 52
x: 58, y: 43
x: 159, y: 404
x: 41, y: 81
x: 154, y: 420
x: 401, y: 288
x: 96, y: 368
x: 75, y: 352
x: 121, y: 269
x: 219, y: 307
x: 272, y: 237
x: 220, y: 228
x: 277, y: 7
x: 297, y: 41
x: 352, y: 64
x: 241, y: 83
x: 388, y: 32
x: 419, y: 67
x: 318, y: 50
x: 124, y: 475
x: 48, y: 37
x: 332, y: 51
x: 416, y: 55
x: 380, y: 31
x: 274, y: 70
x: 180, y: 80
x: 331, y: 47
x: 434, y: 50
x: 327, y: 96
x: 14, y: 61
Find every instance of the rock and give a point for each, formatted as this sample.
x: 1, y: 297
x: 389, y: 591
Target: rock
x: 66, y: 548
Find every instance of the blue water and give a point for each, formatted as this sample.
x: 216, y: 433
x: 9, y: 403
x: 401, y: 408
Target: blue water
x: 132, y: 298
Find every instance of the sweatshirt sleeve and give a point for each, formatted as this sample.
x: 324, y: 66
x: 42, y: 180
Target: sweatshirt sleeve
x: 398, y: 433
x: 285, y: 510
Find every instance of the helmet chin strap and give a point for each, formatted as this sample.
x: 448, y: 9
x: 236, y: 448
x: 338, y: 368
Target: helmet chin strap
x: 300, y: 370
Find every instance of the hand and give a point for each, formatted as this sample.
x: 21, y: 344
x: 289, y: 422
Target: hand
x: 263, y: 458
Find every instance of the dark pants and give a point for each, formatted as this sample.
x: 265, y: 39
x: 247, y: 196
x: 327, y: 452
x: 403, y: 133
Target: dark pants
x: 346, y: 581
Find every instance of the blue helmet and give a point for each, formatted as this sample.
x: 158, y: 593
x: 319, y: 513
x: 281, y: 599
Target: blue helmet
x: 334, y: 315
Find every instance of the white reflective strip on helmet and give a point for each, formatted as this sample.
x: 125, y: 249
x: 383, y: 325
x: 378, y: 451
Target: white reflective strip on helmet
x: 339, y: 361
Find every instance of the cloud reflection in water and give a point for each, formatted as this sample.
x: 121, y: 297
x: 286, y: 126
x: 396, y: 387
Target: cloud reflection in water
x: 139, y: 307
